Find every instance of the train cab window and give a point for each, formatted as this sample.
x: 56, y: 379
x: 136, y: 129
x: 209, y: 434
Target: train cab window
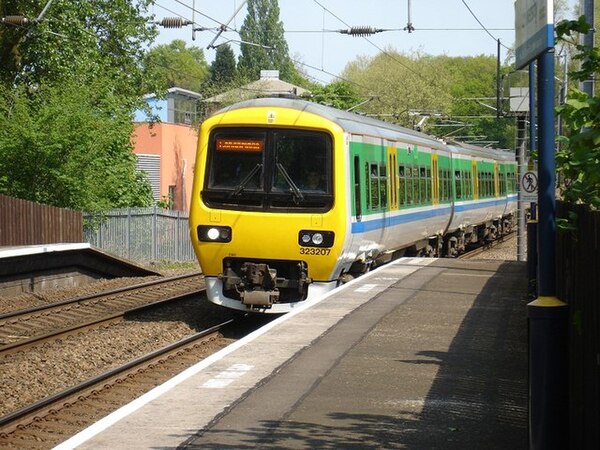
x: 237, y: 161
x: 300, y: 163
x: 255, y: 169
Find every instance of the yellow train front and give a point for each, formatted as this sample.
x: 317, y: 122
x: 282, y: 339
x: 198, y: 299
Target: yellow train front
x: 265, y: 223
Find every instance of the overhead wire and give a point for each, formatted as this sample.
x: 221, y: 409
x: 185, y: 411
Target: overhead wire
x: 483, y: 26
x: 321, y: 69
x: 375, y: 45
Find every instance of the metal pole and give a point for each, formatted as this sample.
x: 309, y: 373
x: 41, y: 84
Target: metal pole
x: 548, y: 316
x: 520, y: 203
x: 532, y: 124
x: 587, y: 86
x: 546, y: 175
x: 532, y: 254
x: 498, y: 81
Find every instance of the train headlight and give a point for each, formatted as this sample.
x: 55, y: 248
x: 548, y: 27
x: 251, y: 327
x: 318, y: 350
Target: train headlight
x: 309, y: 238
x: 208, y: 233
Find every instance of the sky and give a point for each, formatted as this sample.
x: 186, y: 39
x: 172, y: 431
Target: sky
x: 441, y: 27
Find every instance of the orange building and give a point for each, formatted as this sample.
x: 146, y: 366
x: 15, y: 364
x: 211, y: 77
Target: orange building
x: 166, y: 150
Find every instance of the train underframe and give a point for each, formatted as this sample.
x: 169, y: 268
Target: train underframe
x: 260, y: 284
x: 450, y: 245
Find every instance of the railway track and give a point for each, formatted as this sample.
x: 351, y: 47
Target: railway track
x: 53, y: 419
x: 488, y: 246
x: 33, y: 326
x: 95, y: 353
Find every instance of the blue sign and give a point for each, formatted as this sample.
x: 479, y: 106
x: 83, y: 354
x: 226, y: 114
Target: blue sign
x: 534, y: 29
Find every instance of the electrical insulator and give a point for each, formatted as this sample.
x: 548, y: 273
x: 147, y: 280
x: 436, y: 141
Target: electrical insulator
x: 361, y: 31
x: 174, y: 22
x: 15, y: 20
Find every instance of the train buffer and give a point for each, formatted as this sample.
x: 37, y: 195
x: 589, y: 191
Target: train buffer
x: 420, y: 353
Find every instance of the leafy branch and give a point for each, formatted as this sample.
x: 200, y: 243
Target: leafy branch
x: 578, y: 160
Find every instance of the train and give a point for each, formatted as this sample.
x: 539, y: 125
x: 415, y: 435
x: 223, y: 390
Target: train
x: 292, y: 198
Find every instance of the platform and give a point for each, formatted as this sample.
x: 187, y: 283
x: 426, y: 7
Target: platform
x: 34, y: 268
x: 420, y: 353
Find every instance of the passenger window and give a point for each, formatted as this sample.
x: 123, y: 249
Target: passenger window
x: 374, y: 186
x: 383, y: 185
x: 402, y: 176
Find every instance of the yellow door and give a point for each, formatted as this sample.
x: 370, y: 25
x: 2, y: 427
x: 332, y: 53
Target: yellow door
x: 435, y: 180
x: 392, y: 179
x: 475, y: 180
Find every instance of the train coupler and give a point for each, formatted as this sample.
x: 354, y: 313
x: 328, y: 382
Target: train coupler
x: 259, y: 283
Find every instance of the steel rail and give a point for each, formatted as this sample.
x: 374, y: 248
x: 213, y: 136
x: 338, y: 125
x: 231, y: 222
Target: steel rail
x: 64, y: 332
x: 41, y: 405
x: 86, y: 297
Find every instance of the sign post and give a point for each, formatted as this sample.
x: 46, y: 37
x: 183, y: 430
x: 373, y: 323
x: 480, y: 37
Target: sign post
x: 534, y: 27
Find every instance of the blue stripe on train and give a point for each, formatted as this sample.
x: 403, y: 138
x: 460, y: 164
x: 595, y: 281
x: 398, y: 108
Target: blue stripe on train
x: 376, y: 224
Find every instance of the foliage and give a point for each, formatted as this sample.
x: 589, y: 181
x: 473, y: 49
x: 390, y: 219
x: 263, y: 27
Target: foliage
x: 578, y: 159
x: 408, y: 88
x: 401, y: 86
x: 174, y: 65
x: 77, y: 39
x: 339, y: 94
x: 264, y: 46
x: 68, y: 87
x: 60, y: 147
x: 223, y: 70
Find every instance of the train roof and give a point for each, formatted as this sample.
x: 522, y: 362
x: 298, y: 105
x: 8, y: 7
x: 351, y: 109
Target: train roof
x: 358, y: 124
x: 476, y: 151
x: 348, y: 121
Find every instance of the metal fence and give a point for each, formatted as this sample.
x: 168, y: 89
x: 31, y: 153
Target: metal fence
x: 28, y: 223
x: 141, y: 234
x: 578, y: 284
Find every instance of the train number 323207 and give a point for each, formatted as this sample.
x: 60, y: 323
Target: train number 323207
x: 315, y: 251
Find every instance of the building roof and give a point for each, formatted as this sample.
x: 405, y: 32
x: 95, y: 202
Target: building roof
x: 268, y: 85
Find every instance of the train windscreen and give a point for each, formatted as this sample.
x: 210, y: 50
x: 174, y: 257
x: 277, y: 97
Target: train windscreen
x: 270, y: 169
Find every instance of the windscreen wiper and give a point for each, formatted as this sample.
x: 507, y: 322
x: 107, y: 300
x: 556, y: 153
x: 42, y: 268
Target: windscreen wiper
x: 298, y: 197
x: 240, y: 187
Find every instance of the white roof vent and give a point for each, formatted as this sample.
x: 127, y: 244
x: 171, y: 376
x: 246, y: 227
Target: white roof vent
x: 269, y: 74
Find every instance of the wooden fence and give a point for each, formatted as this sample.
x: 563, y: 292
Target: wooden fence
x: 578, y: 284
x: 28, y: 223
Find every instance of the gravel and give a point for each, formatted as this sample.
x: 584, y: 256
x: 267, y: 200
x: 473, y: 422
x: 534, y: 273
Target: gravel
x: 32, y: 375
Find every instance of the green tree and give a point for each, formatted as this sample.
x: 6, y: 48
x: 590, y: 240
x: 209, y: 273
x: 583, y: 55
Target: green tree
x: 68, y: 87
x: 77, y: 39
x: 447, y: 92
x: 472, y: 87
x: 578, y: 160
x: 339, y: 94
x: 400, y: 85
x: 174, y: 65
x: 63, y: 147
x: 264, y: 46
x: 223, y: 70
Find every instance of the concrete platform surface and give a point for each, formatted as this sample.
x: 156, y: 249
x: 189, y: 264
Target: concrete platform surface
x: 418, y: 354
